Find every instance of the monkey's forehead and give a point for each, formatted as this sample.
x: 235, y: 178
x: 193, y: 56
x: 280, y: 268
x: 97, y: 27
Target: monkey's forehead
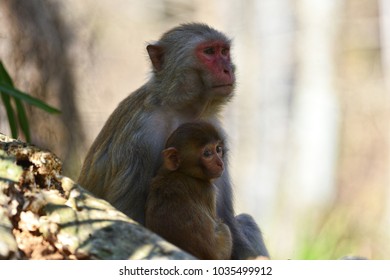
x: 193, y: 33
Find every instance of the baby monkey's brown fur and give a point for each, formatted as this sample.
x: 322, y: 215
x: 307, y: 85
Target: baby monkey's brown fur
x: 181, y: 206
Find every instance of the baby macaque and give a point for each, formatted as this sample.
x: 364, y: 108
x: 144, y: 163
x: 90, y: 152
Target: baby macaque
x: 181, y: 206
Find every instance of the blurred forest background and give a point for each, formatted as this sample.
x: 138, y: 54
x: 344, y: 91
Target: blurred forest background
x: 309, y: 125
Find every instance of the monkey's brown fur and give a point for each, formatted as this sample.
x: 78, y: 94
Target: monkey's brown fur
x: 185, y: 86
x: 181, y: 205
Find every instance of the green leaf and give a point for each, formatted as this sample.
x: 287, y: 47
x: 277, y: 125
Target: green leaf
x: 10, y: 114
x: 23, y: 121
x: 7, y: 90
x: 27, y: 98
x: 4, y: 76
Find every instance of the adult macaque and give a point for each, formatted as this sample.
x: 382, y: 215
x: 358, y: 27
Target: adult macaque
x: 181, y: 206
x: 193, y: 77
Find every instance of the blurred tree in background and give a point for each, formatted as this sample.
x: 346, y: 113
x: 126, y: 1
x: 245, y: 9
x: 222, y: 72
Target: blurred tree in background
x: 309, y: 125
x: 36, y: 42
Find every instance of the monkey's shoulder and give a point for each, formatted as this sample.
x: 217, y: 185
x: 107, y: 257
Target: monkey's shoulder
x: 144, y: 99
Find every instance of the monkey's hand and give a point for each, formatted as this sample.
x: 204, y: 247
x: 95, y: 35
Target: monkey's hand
x: 224, y: 239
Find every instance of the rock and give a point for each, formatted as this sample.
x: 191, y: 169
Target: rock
x: 44, y: 215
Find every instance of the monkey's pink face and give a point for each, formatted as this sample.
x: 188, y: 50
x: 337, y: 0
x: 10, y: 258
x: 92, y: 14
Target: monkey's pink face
x: 212, y: 160
x: 215, y: 56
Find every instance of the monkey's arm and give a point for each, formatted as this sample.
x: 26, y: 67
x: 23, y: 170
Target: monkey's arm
x: 124, y: 157
x: 247, y: 238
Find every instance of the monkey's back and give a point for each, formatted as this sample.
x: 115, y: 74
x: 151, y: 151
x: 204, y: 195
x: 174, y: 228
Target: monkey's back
x: 120, y: 157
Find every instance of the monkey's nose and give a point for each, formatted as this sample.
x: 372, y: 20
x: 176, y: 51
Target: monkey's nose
x: 226, y: 68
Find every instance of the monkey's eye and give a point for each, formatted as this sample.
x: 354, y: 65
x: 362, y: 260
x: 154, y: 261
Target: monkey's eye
x: 219, y: 149
x: 207, y: 153
x: 225, y: 51
x: 209, y: 51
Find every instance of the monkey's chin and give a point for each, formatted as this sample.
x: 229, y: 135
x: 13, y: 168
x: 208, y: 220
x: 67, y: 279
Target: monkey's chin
x: 224, y: 90
x: 215, y: 175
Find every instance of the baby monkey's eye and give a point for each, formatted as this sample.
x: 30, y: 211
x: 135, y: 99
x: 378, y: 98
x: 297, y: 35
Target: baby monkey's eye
x: 219, y: 149
x: 207, y: 153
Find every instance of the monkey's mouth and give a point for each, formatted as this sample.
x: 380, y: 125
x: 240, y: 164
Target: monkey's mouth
x: 223, y: 90
x: 222, y: 86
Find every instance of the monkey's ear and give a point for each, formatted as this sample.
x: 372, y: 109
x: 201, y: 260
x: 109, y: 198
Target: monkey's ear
x: 156, y: 55
x: 171, y: 158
